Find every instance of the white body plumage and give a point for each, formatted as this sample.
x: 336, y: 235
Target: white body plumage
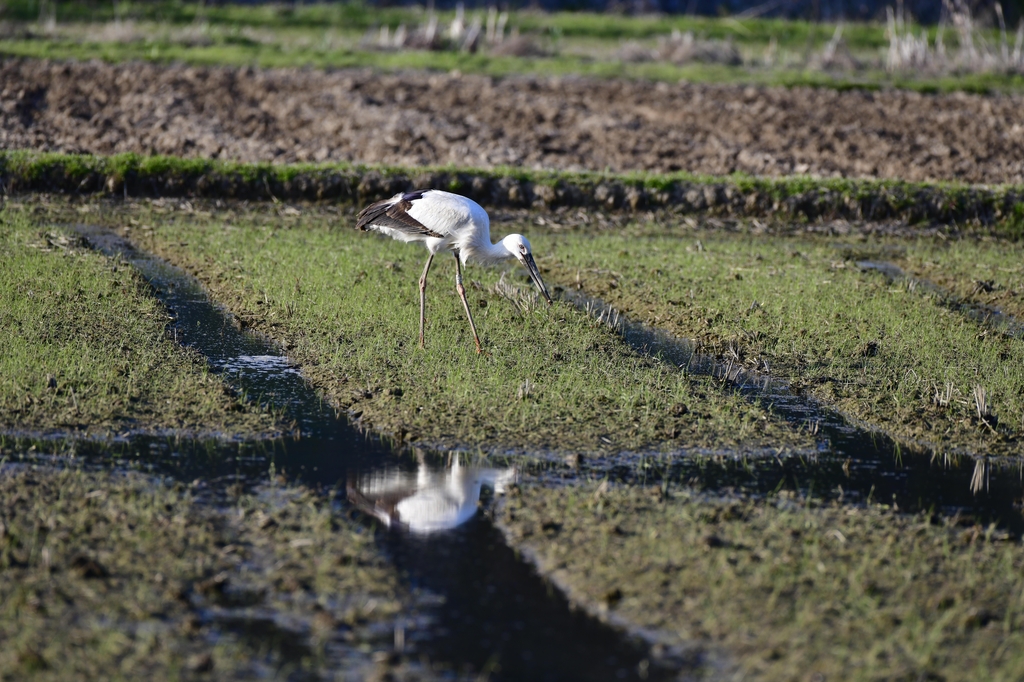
x: 462, y: 225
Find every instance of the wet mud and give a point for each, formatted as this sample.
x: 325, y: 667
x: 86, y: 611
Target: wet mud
x: 566, y: 123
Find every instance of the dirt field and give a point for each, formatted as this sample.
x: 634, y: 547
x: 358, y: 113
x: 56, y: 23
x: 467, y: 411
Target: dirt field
x: 570, y: 123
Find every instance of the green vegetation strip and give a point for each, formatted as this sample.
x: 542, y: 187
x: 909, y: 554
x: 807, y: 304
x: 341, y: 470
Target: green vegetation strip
x: 241, y: 52
x: 358, y: 17
x: 799, y: 308
x: 85, y: 347
x: 789, y: 588
x: 797, y: 198
x: 345, y: 306
x: 110, y: 575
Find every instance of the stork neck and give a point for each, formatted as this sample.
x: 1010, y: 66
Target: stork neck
x: 486, y: 253
x: 498, y: 252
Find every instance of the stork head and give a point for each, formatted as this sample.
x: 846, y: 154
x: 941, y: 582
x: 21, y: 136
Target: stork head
x: 519, y: 247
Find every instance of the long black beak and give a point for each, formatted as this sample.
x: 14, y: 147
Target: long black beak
x: 535, y: 276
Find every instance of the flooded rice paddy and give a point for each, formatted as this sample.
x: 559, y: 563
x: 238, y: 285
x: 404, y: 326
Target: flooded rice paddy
x: 493, y: 613
x: 481, y: 608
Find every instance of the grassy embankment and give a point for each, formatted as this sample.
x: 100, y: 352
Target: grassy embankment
x: 117, y: 576
x: 801, y: 308
x: 345, y: 306
x: 773, y: 52
x: 85, y: 347
x: 792, y: 589
x: 997, y: 210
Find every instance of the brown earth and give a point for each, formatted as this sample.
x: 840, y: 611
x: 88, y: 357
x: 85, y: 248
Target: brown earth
x: 416, y: 118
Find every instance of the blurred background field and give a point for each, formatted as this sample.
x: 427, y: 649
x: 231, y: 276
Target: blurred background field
x: 974, y: 48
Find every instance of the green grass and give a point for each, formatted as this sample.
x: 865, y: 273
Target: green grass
x: 785, y: 588
x: 353, y: 16
x: 85, y: 346
x: 329, y: 35
x: 797, y: 307
x: 345, y: 305
x: 789, y: 34
x: 890, y: 356
x: 115, y: 576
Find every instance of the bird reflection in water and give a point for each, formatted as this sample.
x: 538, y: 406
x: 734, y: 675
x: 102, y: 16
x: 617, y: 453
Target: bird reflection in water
x: 429, y: 500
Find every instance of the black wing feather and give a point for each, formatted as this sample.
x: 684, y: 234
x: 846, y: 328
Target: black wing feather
x: 394, y: 214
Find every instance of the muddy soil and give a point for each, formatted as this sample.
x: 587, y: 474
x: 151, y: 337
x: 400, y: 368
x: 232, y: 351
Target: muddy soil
x: 417, y: 118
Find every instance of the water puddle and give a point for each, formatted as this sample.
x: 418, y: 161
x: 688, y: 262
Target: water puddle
x: 429, y: 500
x: 258, y: 364
x: 495, y: 615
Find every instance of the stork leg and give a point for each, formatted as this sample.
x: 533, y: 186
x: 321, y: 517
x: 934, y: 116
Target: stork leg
x: 465, y: 304
x: 423, y: 294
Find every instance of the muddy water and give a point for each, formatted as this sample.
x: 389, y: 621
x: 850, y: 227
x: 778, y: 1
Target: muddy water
x: 496, y: 615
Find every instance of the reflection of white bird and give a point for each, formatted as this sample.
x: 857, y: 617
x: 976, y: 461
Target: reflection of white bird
x: 427, y: 501
x: 443, y: 221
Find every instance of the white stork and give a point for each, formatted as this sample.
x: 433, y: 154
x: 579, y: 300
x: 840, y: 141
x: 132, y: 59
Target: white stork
x: 443, y: 221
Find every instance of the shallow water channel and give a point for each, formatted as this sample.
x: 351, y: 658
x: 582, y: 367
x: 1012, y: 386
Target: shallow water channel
x: 852, y: 461
x: 496, y: 615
